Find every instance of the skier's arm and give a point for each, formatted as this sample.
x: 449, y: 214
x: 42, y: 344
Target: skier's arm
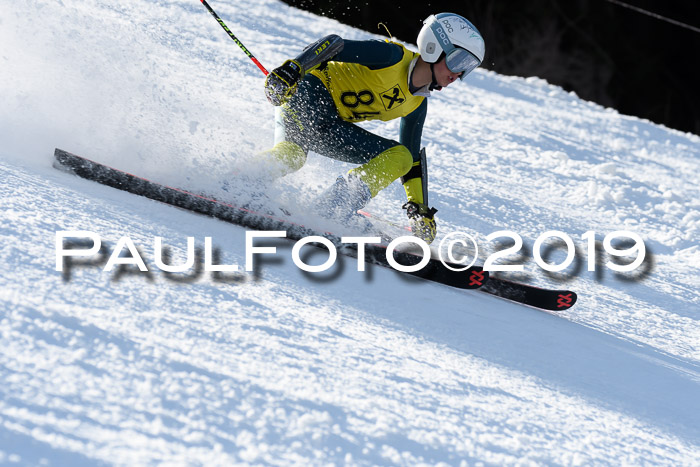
x: 410, y: 134
x: 420, y: 215
x: 372, y: 54
x: 281, y: 84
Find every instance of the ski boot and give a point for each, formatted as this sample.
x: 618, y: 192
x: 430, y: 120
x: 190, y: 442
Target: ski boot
x: 343, y: 199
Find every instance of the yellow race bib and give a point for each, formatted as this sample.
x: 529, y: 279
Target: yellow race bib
x: 361, y: 93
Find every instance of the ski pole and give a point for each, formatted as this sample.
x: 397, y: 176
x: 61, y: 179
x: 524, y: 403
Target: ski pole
x: 235, y: 39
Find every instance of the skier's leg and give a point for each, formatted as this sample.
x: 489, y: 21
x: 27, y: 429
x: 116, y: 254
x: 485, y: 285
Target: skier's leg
x: 382, y: 161
x: 296, y: 124
x: 386, y: 167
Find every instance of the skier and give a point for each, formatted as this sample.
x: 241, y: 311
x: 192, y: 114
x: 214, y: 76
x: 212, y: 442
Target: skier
x: 334, y: 83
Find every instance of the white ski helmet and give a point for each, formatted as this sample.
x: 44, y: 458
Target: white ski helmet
x: 454, y: 36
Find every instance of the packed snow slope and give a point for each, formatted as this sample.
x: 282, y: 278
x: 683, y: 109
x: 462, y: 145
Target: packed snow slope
x: 342, y: 367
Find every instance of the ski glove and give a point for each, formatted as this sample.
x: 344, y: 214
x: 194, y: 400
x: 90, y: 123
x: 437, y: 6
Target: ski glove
x: 421, y: 219
x: 281, y: 84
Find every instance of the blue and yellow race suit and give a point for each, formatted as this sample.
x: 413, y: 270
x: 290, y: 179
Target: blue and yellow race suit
x: 368, y: 80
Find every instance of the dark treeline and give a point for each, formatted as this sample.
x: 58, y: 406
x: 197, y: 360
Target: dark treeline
x: 605, y: 53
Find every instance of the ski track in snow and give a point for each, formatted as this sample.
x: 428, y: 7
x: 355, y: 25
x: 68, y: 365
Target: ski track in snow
x: 279, y: 367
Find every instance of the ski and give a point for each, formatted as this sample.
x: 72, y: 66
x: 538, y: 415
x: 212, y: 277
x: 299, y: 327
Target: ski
x: 544, y: 299
x: 435, y: 270
x: 518, y: 292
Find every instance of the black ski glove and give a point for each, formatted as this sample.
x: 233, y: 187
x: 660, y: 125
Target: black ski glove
x: 281, y: 84
x: 421, y: 219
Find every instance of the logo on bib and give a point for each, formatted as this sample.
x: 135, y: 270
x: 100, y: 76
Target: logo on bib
x: 393, y: 98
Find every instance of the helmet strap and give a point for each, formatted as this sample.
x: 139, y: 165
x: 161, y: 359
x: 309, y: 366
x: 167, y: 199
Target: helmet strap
x: 434, y: 85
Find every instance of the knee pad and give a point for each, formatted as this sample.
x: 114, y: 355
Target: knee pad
x: 385, y: 168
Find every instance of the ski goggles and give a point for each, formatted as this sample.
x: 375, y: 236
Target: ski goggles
x: 461, y: 61
x: 457, y: 59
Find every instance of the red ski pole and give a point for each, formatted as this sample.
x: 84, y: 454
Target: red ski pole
x: 235, y: 39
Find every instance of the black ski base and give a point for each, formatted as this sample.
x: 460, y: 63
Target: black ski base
x: 545, y: 299
x: 472, y: 278
x: 435, y: 270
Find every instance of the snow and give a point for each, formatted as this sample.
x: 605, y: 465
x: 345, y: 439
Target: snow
x: 342, y: 367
